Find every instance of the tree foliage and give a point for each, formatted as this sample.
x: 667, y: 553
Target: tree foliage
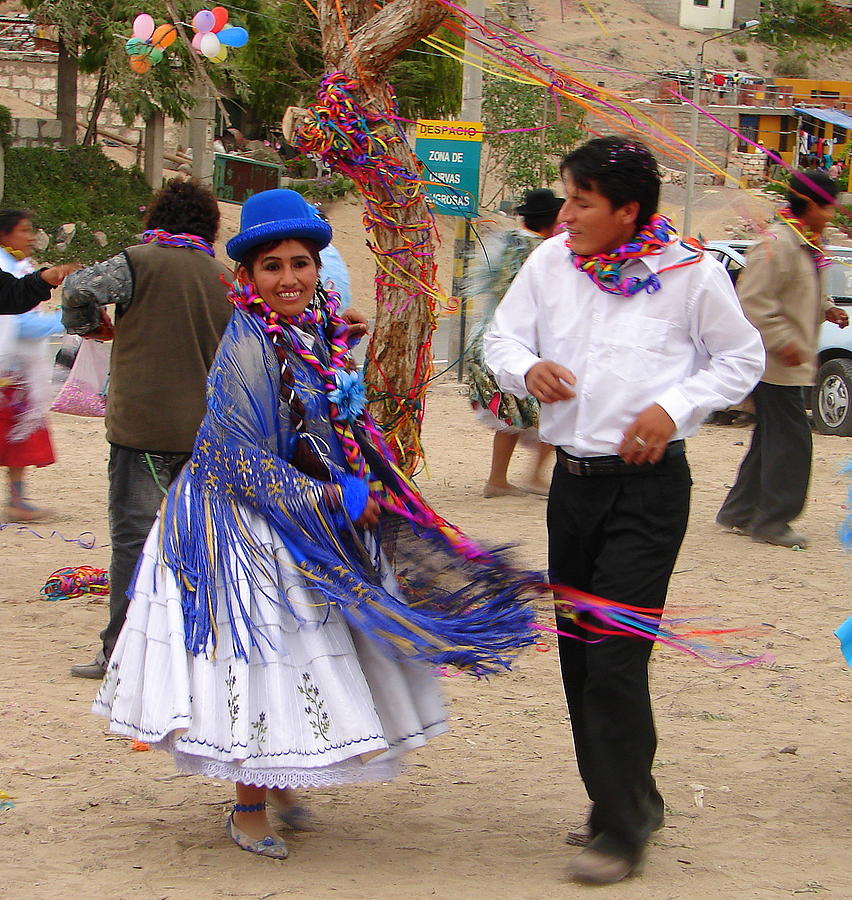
x: 98, y: 32
x: 524, y: 160
x: 282, y: 66
x: 784, y: 22
x: 428, y: 84
x: 282, y: 63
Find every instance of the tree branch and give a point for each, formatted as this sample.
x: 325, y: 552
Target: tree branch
x: 376, y: 41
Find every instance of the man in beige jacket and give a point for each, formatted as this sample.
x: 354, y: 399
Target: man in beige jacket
x: 783, y: 294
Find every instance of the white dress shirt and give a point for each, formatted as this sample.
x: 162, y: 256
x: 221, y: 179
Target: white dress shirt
x: 687, y: 347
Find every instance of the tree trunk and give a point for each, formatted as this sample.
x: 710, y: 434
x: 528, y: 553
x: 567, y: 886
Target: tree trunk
x: 98, y: 101
x: 66, y: 94
x: 362, y: 46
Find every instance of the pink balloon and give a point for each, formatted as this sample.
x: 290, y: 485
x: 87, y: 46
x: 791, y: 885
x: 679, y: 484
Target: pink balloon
x: 210, y: 45
x: 196, y: 41
x: 203, y: 21
x: 143, y: 26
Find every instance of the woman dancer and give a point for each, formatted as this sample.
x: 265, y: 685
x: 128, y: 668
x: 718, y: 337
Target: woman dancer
x: 25, y: 372
x: 510, y: 417
x: 268, y: 642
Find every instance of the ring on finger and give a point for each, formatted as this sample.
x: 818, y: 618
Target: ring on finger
x: 640, y: 441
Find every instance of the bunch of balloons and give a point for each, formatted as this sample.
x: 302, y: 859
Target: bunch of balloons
x: 212, y: 37
x: 149, y: 43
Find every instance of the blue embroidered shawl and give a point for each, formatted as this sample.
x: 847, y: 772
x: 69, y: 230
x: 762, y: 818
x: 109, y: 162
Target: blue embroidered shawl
x: 471, y: 614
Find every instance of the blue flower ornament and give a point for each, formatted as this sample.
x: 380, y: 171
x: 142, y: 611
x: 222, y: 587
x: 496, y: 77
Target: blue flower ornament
x: 350, y: 395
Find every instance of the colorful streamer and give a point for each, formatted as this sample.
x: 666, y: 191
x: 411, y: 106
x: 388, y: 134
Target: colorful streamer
x: 75, y: 581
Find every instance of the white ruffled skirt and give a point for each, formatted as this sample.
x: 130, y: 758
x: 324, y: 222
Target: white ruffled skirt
x: 316, y: 704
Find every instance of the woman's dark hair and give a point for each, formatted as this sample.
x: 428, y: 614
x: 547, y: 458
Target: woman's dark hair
x: 11, y: 218
x: 621, y: 169
x: 253, y: 253
x: 184, y: 206
x: 812, y: 184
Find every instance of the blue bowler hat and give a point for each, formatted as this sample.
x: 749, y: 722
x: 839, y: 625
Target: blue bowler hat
x: 276, y: 215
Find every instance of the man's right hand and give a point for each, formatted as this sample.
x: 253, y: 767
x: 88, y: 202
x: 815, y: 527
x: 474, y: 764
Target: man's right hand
x: 789, y: 355
x: 55, y: 275
x: 104, y: 332
x: 548, y: 382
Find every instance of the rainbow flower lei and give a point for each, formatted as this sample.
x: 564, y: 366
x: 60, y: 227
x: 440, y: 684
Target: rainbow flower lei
x: 604, y: 269
x: 181, y: 239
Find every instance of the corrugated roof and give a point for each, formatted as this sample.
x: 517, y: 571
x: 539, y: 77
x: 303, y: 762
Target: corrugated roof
x: 835, y: 116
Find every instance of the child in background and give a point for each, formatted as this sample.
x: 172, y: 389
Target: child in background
x: 25, y: 374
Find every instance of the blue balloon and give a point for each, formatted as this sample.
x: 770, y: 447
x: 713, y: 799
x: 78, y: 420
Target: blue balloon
x: 233, y: 37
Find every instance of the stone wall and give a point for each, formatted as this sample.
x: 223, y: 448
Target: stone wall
x: 667, y: 10
x: 713, y: 142
x: 36, y: 132
x: 31, y: 76
x: 751, y: 167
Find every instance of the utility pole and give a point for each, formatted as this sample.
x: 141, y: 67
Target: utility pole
x: 471, y: 111
x: 698, y: 77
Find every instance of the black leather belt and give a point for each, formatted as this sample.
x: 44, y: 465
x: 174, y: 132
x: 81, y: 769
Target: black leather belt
x: 612, y: 465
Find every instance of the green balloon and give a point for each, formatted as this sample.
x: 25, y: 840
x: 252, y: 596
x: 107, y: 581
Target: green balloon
x: 135, y: 47
x: 155, y: 55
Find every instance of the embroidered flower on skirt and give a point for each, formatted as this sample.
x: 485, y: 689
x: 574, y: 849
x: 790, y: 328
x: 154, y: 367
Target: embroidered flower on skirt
x: 349, y: 395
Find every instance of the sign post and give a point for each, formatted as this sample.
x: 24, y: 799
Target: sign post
x: 450, y: 153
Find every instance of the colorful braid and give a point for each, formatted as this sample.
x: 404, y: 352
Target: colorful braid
x: 322, y: 313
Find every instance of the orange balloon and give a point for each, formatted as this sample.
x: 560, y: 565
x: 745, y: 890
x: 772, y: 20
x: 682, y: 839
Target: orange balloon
x: 140, y: 64
x: 220, y: 15
x: 164, y: 36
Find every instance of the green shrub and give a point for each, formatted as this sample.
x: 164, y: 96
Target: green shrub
x: 740, y: 55
x: 791, y: 65
x: 5, y: 128
x: 324, y: 190
x: 79, y: 185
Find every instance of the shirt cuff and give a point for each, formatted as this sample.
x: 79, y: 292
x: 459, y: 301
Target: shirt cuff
x: 678, y: 408
x: 515, y: 382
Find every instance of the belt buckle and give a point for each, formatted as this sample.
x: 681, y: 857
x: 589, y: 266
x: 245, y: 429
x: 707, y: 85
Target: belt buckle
x: 575, y: 466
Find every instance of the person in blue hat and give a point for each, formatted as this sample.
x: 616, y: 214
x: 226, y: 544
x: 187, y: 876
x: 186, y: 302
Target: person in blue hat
x: 269, y: 641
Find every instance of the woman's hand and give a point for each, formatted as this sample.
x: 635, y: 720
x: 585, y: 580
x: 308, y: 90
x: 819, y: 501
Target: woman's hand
x: 357, y: 323
x: 369, y: 518
x: 55, y: 275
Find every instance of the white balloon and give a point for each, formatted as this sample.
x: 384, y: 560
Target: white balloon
x: 209, y: 45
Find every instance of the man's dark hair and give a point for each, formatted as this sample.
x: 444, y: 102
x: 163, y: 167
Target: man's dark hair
x: 539, y: 222
x: 620, y: 168
x: 812, y: 184
x: 185, y: 206
x: 11, y: 218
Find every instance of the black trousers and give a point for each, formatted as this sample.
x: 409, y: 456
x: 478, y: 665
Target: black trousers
x: 616, y: 536
x: 772, y: 483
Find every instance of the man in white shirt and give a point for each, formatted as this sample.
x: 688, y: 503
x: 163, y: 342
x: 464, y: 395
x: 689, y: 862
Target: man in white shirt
x: 629, y: 339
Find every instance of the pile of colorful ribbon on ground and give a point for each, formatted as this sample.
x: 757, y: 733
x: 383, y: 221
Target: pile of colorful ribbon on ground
x: 75, y: 581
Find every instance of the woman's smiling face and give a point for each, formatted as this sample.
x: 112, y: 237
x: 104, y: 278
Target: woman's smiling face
x: 286, y: 276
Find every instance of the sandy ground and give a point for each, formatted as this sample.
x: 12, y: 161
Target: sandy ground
x: 754, y: 762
